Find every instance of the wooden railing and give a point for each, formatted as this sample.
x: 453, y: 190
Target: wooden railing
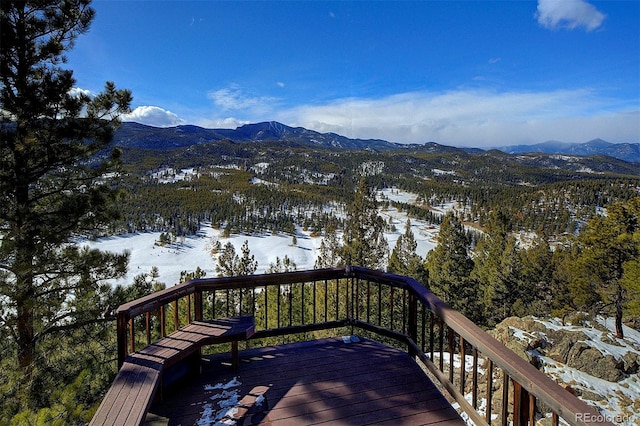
x: 490, y: 383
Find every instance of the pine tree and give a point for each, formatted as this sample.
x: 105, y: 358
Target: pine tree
x: 449, y: 266
x: 606, y: 262
x: 232, y: 265
x: 52, y: 183
x: 404, y: 259
x: 227, y: 261
x: 363, y: 240
x: 248, y: 264
x: 329, y: 251
x: 535, y: 280
x: 193, y: 275
x: 496, y: 269
x: 282, y: 265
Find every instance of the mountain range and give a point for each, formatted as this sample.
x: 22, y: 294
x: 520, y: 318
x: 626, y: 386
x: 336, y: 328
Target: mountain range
x: 136, y: 135
x: 623, y: 151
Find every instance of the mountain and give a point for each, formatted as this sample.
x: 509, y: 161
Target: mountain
x: 623, y: 151
x: 134, y: 135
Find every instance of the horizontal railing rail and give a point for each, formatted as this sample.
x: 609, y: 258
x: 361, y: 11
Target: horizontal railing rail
x: 459, y: 354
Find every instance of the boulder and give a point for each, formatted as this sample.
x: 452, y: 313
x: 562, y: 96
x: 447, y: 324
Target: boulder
x: 521, y: 336
x: 571, y: 349
x: 631, y: 363
x: 590, y: 360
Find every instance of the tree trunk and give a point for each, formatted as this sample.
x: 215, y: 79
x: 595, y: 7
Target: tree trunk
x: 24, y: 262
x: 619, y: 296
x: 25, y: 313
x: 25, y: 322
x: 619, y: 330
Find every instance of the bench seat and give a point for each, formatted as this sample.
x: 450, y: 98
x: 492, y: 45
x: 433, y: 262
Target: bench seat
x: 136, y: 384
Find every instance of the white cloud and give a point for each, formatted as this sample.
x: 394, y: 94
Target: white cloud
x: 473, y: 118
x: 221, y: 123
x: 569, y: 14
x: 77, y: 91
x: 234, y: 98
x: 153, y: 116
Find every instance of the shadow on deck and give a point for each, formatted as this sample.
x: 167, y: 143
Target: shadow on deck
x: 322, y: 381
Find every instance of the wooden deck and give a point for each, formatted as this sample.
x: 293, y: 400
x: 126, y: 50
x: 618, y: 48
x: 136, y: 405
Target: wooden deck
x: 325, y: 381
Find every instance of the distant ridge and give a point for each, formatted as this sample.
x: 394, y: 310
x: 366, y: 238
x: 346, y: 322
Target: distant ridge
x: 623, y: 151
x: 136, y: 135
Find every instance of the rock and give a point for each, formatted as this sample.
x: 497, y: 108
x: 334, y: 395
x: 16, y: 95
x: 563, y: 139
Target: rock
x: 594, y: 363
x: 591, y: 396
x: 570, y: 348
x: 561, y: 343
x: 631, y: 363
x: 521, y: 335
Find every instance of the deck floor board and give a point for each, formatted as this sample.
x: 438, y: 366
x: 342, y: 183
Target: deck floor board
x: 325, y: 381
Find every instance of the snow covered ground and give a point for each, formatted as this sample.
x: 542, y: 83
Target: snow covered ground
x: 189, y: 253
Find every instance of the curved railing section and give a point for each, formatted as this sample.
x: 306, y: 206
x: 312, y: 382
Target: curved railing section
x: 490, y: 383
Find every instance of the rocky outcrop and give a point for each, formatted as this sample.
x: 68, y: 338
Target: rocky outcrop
x: 607, y: 358
x: 584, y: 356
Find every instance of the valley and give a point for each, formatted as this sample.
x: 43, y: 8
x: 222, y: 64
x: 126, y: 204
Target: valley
x: 188, y: 190
x: 263, y: 185
x: 188, y: 253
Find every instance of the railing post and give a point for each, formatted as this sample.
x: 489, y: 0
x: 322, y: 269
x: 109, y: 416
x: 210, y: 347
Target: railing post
x: 441, y: 338
x: 452, y: 343
x: 412, y: 327
x: 176, y: 319
x: 474, y: 392
x: 463, y: 362
x: 489, y: 390
x: 188, y: 309
x: 391, y: 303
x: 197, y: 305
x: 431, y: 335
x: 163, y: 329
x: 132, y: 335
x: 147, y: 322
x: 505, y: 399
x: 121, y: 334
x: 347, y: 314
x: 532, y: 409
x: 521, y: 407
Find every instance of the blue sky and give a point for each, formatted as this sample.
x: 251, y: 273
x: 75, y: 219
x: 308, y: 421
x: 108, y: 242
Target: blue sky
x: 462, y: 73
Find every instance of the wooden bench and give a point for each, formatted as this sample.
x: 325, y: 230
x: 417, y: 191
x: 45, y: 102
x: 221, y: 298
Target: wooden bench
x: 150, y: 369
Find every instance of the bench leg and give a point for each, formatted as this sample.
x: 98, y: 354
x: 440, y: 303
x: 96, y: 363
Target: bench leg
x: 235, y: 362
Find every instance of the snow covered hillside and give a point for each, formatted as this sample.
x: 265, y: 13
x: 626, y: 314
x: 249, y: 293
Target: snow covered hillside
x: 189, y: 253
